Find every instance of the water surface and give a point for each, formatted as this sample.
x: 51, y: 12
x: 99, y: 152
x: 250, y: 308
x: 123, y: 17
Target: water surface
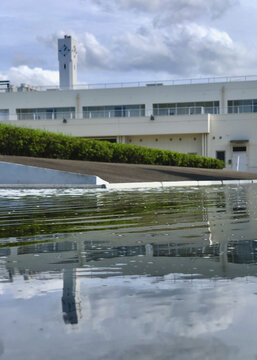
x: 154, y: 274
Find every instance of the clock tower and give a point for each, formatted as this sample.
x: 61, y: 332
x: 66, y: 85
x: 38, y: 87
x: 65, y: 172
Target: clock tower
x: 67, y: 56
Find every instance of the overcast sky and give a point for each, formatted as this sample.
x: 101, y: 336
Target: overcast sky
x: 128, y: 40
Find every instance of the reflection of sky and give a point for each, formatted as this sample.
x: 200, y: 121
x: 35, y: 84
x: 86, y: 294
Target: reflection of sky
x: 175, y: 281
x: 143, y: 317
x: 29, y: 289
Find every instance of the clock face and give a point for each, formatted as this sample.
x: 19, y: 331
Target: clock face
x: 64, y: 50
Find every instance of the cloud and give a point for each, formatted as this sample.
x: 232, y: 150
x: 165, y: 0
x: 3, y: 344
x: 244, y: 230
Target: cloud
x: 177, y: 10
x: 186, y: 50
x: 91, y: 53
x: 25, y: 59
x: 50, y: 41
x: 32, y: 76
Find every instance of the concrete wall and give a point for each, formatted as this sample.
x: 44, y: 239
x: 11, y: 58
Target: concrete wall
x: 21, y: 174
x: 231, y: 127
x: 98, y: 127
x: 187, y: 143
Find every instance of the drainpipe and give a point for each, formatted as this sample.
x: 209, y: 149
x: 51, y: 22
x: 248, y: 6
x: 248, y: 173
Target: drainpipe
x: 223, y: 105
x: 78, y: 114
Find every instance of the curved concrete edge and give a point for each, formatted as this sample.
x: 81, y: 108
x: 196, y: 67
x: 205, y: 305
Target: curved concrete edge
x: 166, y: 184
x: 17, y: 174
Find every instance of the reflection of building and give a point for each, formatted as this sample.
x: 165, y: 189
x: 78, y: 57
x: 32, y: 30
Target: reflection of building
x: 71, y: 306
x: 210, y: 117
x: 103, y: 259
x: 5, y: 274
x: 67, y: 255
x: 217, y: 232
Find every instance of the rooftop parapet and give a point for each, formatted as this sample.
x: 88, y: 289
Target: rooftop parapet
x: 117, y: 85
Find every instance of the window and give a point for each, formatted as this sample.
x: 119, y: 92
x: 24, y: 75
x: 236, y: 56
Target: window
x: 46, y: 113
x: 220, y: 155
x: 4, y: 114
x: 113, y: 111
x: 242, y: 106
x: 187, y: 108
x: 239, y: 148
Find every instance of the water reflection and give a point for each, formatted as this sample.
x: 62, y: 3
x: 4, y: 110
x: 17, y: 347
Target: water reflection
x: 71, y: 304
x: 161, y: 264
x: 96, y: 259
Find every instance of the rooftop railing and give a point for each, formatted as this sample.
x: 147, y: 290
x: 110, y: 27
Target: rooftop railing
x: 208, y: 80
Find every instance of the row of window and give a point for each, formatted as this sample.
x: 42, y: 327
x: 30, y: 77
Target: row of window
x: 165, y: 109
x: 113, y: 111
x: 187, y: 108
x: 242, y: 106
x: 46, y: 113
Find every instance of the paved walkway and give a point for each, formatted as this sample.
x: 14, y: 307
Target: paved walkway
x: 121, y: 173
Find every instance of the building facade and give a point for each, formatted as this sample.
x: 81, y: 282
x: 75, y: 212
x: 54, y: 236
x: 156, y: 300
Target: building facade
x: 216, y: 119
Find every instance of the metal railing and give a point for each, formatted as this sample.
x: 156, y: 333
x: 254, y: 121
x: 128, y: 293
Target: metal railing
x: 45, y: 115
x: 121, y: 113
x: 208, y: 80
x: 114, y: 113
x: 198, y: 110
x: 239, y: 109
x: 190, y: 110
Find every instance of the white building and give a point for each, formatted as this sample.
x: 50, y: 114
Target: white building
x: 211, y: 117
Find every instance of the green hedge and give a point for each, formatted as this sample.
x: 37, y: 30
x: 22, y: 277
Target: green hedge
x: 28, y: 142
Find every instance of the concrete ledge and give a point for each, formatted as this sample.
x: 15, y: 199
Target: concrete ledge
x: 209, y: 182
x: 165, y: 184
x: 230, y: 182
x: 16, y: 174
x: 245, y: 181
x: 135, y: 185
x: 127, y: 186
x: 236, y: 182
x: 51, y: 186
x: 179, y: 183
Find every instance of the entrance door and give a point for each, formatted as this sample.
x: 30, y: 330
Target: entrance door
x: 239, y: 161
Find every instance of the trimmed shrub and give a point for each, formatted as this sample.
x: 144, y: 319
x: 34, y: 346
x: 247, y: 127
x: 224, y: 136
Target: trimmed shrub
x: 37, y: 143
